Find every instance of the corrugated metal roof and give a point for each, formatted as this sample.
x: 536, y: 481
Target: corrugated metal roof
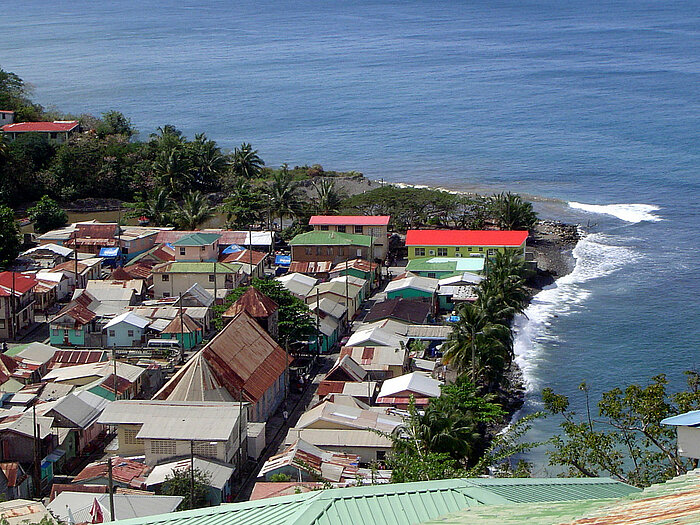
x: 310, y: 267
x: 197, y: 239
x: 254, y: 303
x: 409, y: 310
x: 689, y: 419
x: 328, y: 238
x: 350, y: 220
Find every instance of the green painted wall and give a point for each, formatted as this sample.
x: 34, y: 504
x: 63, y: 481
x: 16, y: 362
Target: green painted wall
x: 75, y: 337
x: 408, y: 293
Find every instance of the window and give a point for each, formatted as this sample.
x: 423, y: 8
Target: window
x: 205, y: 449
x: 212, y: 278
x: 470, y: 248
x: 112, y: 333
x: 431, y: 252
x: 420, y: 252
x: 318, y: 250
x: 166, y: 294
x: 431, y: 275
x: 492, y: 252
x: 130, y: 333
x: 55, y: 331
x: 202, y: 248
x: 54, y: 135
x: 341, y: 229
x: 165, y: 278
x: 381, y: 455
x: 162, y: 446
x: 442, y: 252
x: 341, y: 250
x: 183, y: 251
x: 358, y: 229
x: 324, y: 227
x: 457, y: 249
x: 330, y: 250
x: 130, y: 436
x: 481, y: 248
x: 307, y: 250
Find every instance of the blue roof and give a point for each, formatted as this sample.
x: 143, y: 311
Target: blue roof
x: 232, y: 249
x: 110, y: 252
x: 283, y: 260
x: 689, y: 419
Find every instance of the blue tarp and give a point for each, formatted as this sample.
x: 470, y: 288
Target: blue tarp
x: 453, y: 319
x: 110, y: 252
x: 283, y: 260
x: 232, y: 249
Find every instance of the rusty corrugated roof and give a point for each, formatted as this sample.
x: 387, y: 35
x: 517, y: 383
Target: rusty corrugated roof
x: 254, y: 303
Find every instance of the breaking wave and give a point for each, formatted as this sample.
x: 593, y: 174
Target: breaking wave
x: 627, y: 212
x: 596, y: 256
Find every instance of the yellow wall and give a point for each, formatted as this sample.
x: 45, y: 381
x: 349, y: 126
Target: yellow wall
x: 458, y: 251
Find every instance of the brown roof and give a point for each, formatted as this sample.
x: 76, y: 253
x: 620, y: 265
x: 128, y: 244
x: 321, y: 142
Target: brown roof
x: 13, y: 472
x: 254, y: 303
x: 62, y: 358
x: 7, y: 367
x: 79, y: 309
x: 357, y: 264
x: 310, y: 267
x: 326, y: 387
x: 97, y: 231
x: 125, y: 471
x: 410, y: 310
x: 57, y: 488
x: 70, y: 266
x: 140, y: 270
x: 175, y: 326
x: 120, y: 274
x: 242, y: 357
x: 244, y: 256
x: 271, y: 489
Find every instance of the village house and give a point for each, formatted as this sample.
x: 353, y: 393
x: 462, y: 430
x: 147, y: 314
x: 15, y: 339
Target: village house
x: 6, y: 117
x: 16, y: 303
x: 412, y: 287
x: 318, y: 269
x: 99, y: 378
x: 218, y: 483
x: 126, y: 292
x: 258, y: 306
x: 343, y: 428
x: 299, y: 285
x: 58, y: 131
x: 242, y: 363
x: 456, y: 290
x: 47, y: 255
x: 185, y: 329
x: 380, y: 362
x: 15, y: 483
x: 398, y: 391
x: 329, y: 331
x: 162, y: 430
x: 369, y: 271
x: 340, y: 292
x: 88, y: 269
x: 328, y: 308
x: 18, y: 436
x: 80, y: 322
x: 464, y: 243
x: 126, y: 473
x: 32, y: 361
x: 380, y: 333
x: 252, y: 262
x: 173, y: 278
x: 375, y: 226
x: 262, y: 241
x: 409, y: 311
x: 442, y: 267
x: 51, y: 288
x: 360, y: 283
x: 79, y: 507
x: 333, y: 247
x: 127, y: 330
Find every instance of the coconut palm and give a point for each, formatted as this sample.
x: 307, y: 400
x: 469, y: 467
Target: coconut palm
x: 246, y: 162
x: 158, y: 207
x: 479, y: 346
x: 172, y: 170
x: 503, y: 293
x: 511, y: 212
x: 208, y: 163
x: 244, y: 206
x: 328, y: 199
x: 283, y: 193
x: 194, y: 212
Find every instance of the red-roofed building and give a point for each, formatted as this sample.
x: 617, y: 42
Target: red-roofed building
x: 57, y: 131
x: 463, y: 243
x: 16, y: 303
x: 373, y: 225
x: 260, y: 307
x: 125, y: 473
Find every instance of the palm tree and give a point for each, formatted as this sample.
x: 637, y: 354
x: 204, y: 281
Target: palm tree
x: 246, y: 162
x: 195, y: 211
x: 479, y: 346
x: 157, y: 207
x: 503, y: 294
x: 328, y: 199
x: 283, y: 193
x: 512, y: 212
x: 172, y: 170
x: 244, y: 206
x: 208, y: 163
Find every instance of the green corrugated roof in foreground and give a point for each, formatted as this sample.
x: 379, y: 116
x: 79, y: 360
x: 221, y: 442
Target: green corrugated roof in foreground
x: 321, y: 238
x: 394, y: 504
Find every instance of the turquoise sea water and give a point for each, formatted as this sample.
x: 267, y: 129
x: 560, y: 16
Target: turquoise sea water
x: 595, y: 103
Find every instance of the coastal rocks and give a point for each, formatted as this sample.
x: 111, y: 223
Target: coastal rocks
x: 564, y: 233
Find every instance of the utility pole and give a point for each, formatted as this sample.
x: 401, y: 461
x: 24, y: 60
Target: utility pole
x: 114, y: 359
x: 37, y: 466
x: 240, y: 436
x: 182, y: 323
x: 318, y: 329
x: 75, y: 256
x: 191, y: 474
x: 250, y: 250
x: 110, y: 484
x: 13, y: 309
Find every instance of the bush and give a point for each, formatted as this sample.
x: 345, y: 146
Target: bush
x: 47, y: 215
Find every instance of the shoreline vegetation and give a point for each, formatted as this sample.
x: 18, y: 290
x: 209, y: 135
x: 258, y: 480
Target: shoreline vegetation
x: 171, y: 180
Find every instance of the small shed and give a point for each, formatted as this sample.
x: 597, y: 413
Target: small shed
x: 184, y: 329
x: 688, y: 430
x: 126, y: 330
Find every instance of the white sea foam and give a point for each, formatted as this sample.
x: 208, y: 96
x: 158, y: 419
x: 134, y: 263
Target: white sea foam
x: 596, y: 256
x: 626, y: 212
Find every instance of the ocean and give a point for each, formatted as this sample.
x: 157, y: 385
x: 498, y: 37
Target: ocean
x: 594, y: 107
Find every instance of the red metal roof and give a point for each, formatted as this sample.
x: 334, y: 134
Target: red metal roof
x: 465, y: 237
x: 13, y: 472
x: 22, y: 283
x: 254, y: 303
x: 125, y: 471
x: 349, y: 220
x: 63, y: 358
x: 310, y: 267
x: 41, y: 127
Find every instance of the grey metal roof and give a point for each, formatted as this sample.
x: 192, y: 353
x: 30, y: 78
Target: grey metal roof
x: 75, y: 409
x: 219, y: 473
x: 689, y: 419
x: 126, y: 506
x: 198, y: 421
